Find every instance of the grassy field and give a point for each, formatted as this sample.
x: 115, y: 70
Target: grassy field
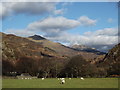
x: 55, y: 83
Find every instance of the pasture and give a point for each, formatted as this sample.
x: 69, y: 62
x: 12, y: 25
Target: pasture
x: 55, y: 83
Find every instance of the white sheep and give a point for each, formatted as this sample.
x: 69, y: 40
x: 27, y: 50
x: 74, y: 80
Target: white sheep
x: 43, y: 78
x: 62, y: 80
x: 69, y: 78
x: 82, y: 78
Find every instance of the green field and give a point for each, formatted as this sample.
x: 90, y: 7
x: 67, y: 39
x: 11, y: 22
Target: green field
x: 55, y: 83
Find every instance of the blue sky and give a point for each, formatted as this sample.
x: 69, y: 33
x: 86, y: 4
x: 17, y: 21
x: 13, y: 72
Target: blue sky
x: 101, y: 11
x: 87, y: 22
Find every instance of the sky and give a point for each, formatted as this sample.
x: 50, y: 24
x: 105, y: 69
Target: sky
x: 94, y: 24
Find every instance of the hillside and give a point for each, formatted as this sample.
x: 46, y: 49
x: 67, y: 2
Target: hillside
x: 14, y: 47
x: 111, y: 62
x: 61, y: 49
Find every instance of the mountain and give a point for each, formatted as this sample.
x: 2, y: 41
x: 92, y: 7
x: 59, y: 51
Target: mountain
x: 36, y: 53
x: 37, y: 37
x: 56, y: 47
x: 61, y: 49
x: 14, y: 47
x: 87, y: 49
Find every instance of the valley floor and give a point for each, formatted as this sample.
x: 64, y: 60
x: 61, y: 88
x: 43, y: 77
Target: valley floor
x: 55, y: 83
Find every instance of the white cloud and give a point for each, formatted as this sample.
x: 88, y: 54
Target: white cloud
x: 95, y: 39
x: 31, y: 1
x: 60, y: 1
x: 33, y: 7
x: 20, y: 32
x: 105, y: 31
x: 29, y: 8
x: 59, y: 11
x: 5, y: 10
x: 85, y: 21
x: 50, y: 26
x: 110, y: 20
x: 53, y: 24
x: 66, y: 3
x: 86, y: 40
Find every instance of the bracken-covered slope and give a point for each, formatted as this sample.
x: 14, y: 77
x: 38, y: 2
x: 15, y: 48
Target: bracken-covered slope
x: 113, y: 54
x: 14, y: 47
x: 111, y: 61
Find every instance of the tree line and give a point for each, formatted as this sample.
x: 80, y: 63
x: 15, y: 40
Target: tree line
x: 74, y: 67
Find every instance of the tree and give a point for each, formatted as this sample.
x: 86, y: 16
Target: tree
x: 26, y: 65
x: 49, y: 67
x: 78, y: 66
x: 75, y: 67
x: 7, y: 67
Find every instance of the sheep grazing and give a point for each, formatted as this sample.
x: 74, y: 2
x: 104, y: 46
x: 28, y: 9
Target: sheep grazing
x: 43, y: 78
x: 82, y: 78
x: 69, y: 78
x: 62, y: 80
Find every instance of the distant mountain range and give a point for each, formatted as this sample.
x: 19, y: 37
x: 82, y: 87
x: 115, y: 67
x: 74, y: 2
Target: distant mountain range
x: 87, y: 49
